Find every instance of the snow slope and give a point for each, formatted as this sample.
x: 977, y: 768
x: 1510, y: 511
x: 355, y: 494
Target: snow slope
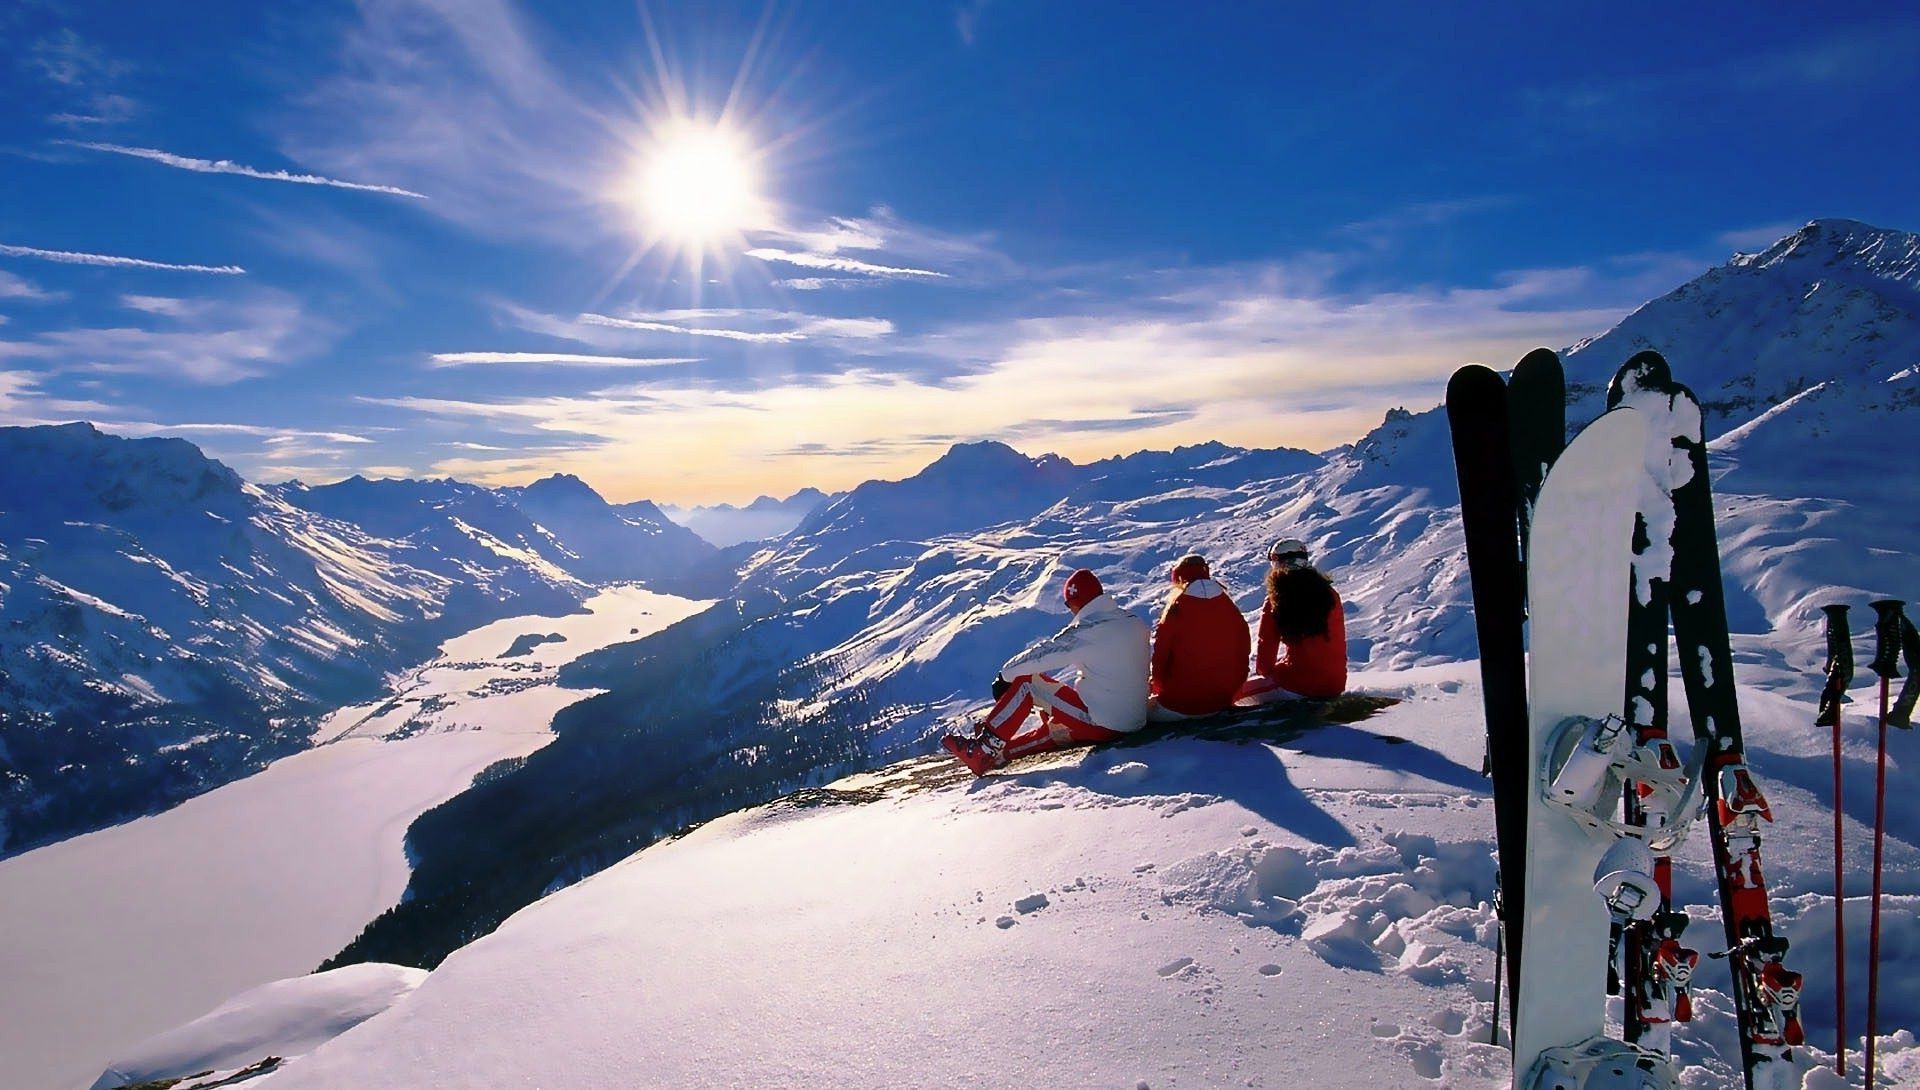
x: 881, y: 618
x: 1311, y: 911
x: 115, y: 935
x: 282, y: 1019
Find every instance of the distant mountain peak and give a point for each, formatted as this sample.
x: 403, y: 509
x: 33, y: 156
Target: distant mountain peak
x: 562, y: 486
x: 1885, y: 252
x: 984, y: 456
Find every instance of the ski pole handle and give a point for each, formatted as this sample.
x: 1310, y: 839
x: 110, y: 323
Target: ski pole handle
x: 1839, y: 664
x: 1887, y: 637
x: 1902, y: 713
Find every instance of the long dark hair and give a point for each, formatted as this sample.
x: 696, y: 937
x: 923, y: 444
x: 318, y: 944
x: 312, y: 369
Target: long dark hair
x: 1302, y: 598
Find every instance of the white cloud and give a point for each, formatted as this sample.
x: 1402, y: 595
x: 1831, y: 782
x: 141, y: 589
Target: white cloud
x: 456, y: 100
x: 227, y: 166
x: 19, y: 287
x: 894, y: 247
x: 23, y: 401
x: 74, y: 257
x: 1259, y: 356
x: 164, y: 306
x: 803, y: 327
x: 82, y: 78
x: 209, y: 342
x: 646, y: 326
x: 554, y: 359
x: 269, y: 435
x: 839, y: 264
x: 821, y: 283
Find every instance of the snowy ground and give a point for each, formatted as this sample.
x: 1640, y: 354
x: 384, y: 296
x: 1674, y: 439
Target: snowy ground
x: 1190, y: 913
x: 503, y: 672
x: 108, y: 938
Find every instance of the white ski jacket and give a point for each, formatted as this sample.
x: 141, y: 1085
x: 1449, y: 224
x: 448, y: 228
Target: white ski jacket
x: 1107, y: 647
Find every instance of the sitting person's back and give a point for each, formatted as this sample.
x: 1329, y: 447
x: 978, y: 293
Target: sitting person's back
x: 1199, y: 647
x: 1303, y: 630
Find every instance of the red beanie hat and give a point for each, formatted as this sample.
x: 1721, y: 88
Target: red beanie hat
x: 1082, y: 587
x: 1189, y: 568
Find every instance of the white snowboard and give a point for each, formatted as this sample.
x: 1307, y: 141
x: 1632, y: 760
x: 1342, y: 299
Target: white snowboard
x: 1578, y: 579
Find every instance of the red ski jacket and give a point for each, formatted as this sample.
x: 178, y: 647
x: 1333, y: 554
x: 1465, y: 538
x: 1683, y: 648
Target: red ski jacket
x: 1200, y: 651
x: 1315, y: 667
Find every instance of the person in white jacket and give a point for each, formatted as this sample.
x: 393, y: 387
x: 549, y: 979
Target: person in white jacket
x: 1104, y: 652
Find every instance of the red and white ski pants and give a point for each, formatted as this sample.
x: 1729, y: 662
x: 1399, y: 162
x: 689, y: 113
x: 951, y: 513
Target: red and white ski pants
x: 1063, y: 717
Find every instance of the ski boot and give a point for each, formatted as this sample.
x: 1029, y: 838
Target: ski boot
x: 981, y: 753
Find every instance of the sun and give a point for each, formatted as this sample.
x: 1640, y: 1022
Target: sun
x: 699, y: 185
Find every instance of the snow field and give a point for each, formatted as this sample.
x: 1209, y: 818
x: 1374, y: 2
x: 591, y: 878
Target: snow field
x: 285, y: 1018
x: 111, y: 937
x: 1188, y: 914
x: 502, y: 674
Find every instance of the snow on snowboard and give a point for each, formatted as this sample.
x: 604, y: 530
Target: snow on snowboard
x: 1613, y: 535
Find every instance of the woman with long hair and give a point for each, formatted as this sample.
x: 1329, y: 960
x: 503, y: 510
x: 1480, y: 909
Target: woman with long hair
x: 1302, y: 649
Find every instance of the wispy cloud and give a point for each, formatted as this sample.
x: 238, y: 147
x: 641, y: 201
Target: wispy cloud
x: 1861, y: 61
x: 82, y: 77
x: 646, y: 326
x: 553, y: 359
x: 227, y: 166
x: 1389, y: 226
x: 271, y: 436
x: 1258, y: 355
x: 209, y: 342
x: 19, y: 287
x: 966, y: 20
x: 74, y: 257
x: 802, y: 327
x: 839, y: 264
x: 457, y: 100
x: 891, y: 248
x: 24, y: 400
x: 822, y: 283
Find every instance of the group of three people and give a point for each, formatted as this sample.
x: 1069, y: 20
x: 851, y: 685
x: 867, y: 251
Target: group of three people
x: 1194, y: 665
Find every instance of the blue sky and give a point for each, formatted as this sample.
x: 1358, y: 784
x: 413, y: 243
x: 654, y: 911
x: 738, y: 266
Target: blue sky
x: 410, y: 237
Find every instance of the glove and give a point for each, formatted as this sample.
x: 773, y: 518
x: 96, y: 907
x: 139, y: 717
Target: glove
x: 1000, y: 686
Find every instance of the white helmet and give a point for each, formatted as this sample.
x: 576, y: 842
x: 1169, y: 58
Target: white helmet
x: 1290, y: 550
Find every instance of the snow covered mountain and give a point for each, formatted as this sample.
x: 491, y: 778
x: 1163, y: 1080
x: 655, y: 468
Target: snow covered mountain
x: 858, y: 635
x: 166, y: 626
x: 723, y: 524
x: 607, y: 544
x: 883, y: 616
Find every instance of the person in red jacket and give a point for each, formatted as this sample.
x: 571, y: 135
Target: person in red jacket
x: 1199, y: 647
x: 1302, y: 650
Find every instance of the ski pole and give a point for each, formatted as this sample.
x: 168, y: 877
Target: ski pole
x: 1839, y: 675
x: 1888, y: 635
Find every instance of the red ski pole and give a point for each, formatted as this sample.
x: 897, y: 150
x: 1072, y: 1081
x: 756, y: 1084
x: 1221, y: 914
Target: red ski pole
x: 1839, y: 676
x: 1886, y: 663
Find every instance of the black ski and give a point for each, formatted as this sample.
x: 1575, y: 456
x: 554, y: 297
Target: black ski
x: 1537, y: 422
x: 1477, y: 414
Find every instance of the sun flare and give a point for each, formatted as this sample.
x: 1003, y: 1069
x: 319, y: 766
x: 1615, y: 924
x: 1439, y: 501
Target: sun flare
x: 699, y: 184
